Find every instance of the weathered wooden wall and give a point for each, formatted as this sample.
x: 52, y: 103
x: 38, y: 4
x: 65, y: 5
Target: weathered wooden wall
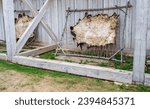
x: 1, y: 23
x: 55, y: 17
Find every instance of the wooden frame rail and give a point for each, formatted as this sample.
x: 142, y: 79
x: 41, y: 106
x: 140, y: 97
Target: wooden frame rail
x: 79, y: 69
x: 39, y: 50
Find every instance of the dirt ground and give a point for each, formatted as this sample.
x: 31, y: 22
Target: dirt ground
x: 16, y: 82
x: 12, y: 81
x: 17, y: 78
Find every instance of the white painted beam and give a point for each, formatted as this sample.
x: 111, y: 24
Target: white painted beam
x: 140, y: 41
x: 31, y: 27
x: 78, y: 69
x: 9, y: 27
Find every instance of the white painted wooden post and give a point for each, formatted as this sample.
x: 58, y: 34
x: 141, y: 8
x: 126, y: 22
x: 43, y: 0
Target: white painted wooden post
x: 9, y: 25
x: 140, y: 41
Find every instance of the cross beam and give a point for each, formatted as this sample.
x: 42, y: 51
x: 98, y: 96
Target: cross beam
x: 38, y: 19
x: 43, y: 22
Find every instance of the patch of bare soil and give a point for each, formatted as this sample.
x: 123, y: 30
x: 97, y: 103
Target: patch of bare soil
x: 11, y: 81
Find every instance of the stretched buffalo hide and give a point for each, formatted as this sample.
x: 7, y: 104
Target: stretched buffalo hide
x: 21, y: 24
x: 96, y: 30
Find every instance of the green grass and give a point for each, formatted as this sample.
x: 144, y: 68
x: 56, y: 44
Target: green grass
x: 29, y: 70
x: 117, y: 65
x: 63, y: 78
x: 68, y: 60
x: 148, y: 66
x: 84, y: 61
x: 127, y: 65
x: 49, y: 55
x: 3, y: 51
x: 2, y: 48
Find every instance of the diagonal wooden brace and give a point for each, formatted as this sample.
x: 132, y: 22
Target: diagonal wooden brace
x: 31, y: 27
x: 43, y: 22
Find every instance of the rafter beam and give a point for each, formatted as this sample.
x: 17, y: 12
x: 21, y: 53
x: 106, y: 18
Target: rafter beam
x: 31, y: 27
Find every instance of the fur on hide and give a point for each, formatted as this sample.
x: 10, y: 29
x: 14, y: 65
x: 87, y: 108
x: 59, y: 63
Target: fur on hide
x: 98, y: 30
x: 21, y: 25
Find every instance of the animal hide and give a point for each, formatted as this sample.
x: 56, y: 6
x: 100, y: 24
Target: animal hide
x: 98, y: 30
x: 21, y: 25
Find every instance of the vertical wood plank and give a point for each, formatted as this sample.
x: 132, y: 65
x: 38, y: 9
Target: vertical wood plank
x: 122, y: 24
x: 128, y: 29
x: 55, y: 17
x: 70, y: 43
x: 2, y: 37
x: 100, y: 4
x: 148, y: 34
x: 133, y: 24
x: 8, y: 11
x: 61, y: 20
